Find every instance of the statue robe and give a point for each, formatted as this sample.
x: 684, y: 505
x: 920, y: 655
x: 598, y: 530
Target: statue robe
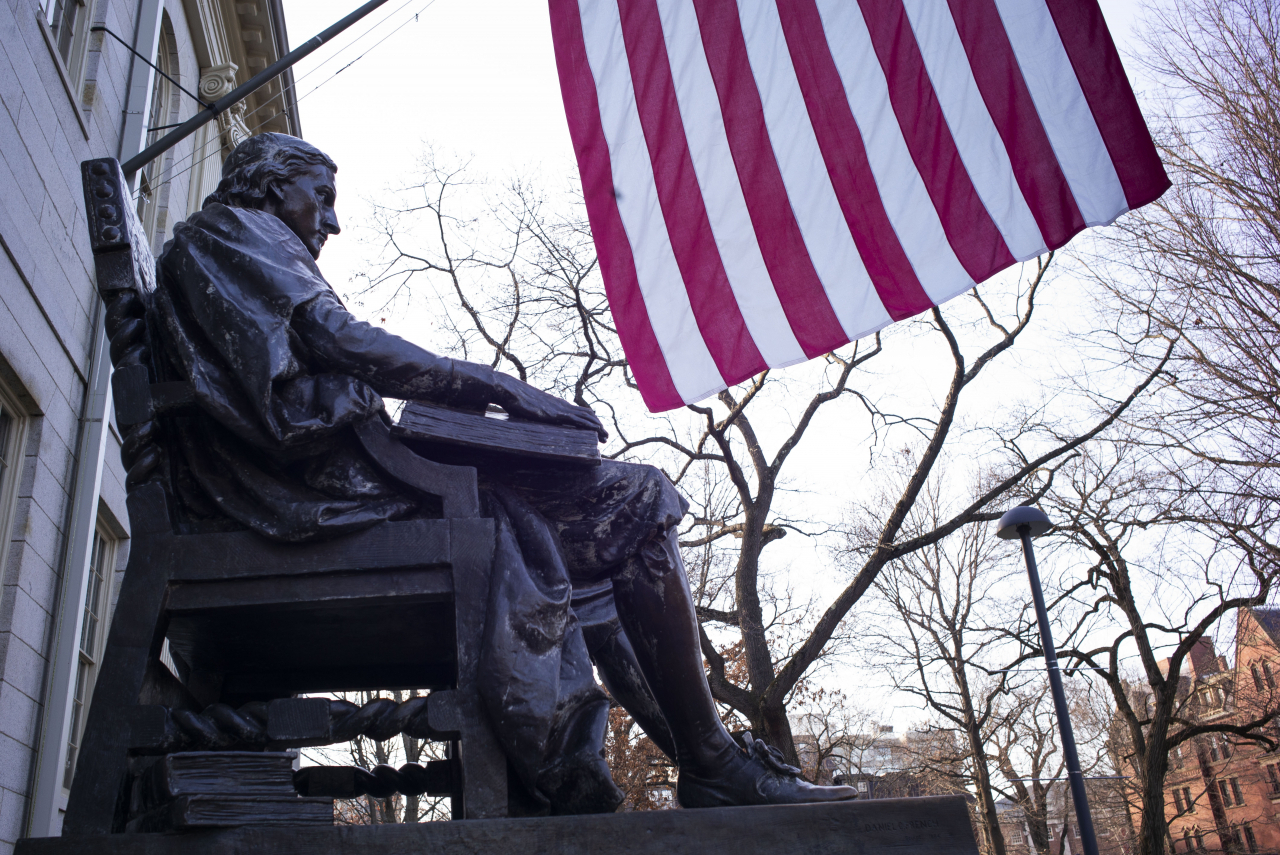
x: 282, y: 371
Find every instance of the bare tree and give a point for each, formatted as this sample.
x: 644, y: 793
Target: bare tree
x: 524, y: 294
x: 1201, y: 266
x: 1137, y: 542
x: 938, y: 645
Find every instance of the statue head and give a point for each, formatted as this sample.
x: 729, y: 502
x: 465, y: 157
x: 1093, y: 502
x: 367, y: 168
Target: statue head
x: 286, y: 177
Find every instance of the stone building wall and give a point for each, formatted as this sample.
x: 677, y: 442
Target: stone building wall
x: 51, y: 118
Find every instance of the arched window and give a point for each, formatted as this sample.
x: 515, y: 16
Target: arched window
x: 153, y: 188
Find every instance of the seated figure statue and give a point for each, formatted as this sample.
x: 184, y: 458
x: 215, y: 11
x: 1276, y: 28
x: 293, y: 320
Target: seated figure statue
x: 587, y: 569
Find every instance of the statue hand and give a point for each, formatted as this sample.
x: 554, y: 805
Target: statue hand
x: 523, y: 401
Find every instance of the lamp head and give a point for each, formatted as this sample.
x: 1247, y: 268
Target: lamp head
x: 1023, y: 515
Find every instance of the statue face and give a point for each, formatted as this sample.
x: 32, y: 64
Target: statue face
x: 305, y: 205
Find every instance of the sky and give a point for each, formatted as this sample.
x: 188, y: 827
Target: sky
x: 472, y: 78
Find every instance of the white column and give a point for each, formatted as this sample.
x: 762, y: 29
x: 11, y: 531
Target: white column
x: 133, y: 137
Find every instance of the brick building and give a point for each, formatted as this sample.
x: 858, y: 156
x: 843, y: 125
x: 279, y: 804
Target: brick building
x: 71, y: 90
x: 1223, y: 793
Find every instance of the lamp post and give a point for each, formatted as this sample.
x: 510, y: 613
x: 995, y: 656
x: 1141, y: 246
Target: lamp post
x: 1024, y: 523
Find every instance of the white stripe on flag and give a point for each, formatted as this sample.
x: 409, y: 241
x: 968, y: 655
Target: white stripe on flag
x: 693, y: 371
x: 905, y: 198
x: 817, y: 211
x: 974, y: 132
x: 722, y: 193
x: 1063, y: 110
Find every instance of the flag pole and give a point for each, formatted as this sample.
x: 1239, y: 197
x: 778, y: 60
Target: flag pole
x: 190, y: 126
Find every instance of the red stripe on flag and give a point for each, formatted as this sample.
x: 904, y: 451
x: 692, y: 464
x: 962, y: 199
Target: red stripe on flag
x: 1115, y: 109
x: 973, y: 235
x: 1005, y: 93
x: 800, y: 291
x: 846, y: 159
x: 617, y: 265
x: 689, y: 228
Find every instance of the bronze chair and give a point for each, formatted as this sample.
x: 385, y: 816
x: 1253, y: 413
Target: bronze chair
x: 250, y: 622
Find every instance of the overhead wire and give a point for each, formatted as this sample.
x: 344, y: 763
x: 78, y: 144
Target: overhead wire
x: 195, y: 150
x: 294, y: 86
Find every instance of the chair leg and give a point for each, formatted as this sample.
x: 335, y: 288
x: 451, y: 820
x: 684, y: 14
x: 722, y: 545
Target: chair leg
x: 482, y: 763
x: 96, y: 805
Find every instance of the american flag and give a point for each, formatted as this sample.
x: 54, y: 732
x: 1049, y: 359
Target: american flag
x: 768, y: 180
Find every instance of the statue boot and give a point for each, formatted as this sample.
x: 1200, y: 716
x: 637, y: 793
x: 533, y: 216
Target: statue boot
x: 655, y: 608
x: 577, y: 781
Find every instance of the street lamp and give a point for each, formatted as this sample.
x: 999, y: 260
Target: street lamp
x: 1025, y: 522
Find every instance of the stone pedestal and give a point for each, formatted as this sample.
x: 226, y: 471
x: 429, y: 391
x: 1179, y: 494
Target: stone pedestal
x: 925, y: 826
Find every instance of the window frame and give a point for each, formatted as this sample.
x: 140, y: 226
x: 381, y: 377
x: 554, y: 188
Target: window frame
x: 13, y: 440
x: 73, y: 62
x: 151, y: 177
x: 96, y: 617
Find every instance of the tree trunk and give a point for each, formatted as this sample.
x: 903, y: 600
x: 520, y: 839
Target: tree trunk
x: 1154, y: 828
x: 776, y: 730
x: 982, y: 779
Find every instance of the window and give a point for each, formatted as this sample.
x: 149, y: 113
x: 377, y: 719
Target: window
x: 1273, y: 778
x: 1266, y: 674
x: 1257, y: 676
x: 68, y: 22
x: 153, y: 194
x: 1235, y: 791
x: 1186, y: 798
x: 1186, y: 838
x: 1249, y: 839
x: 92, y: 640
x: 11, y: 424
x: 1015, y: 837
x: 1177, y: 802
x: 1199, y: 841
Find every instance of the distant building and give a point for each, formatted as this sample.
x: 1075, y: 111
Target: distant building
x: 71, y: 91
x: 1222, y: 794
x: 879, y: 764
x: 1111, y: 826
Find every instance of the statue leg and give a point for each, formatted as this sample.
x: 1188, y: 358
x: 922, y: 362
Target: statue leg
x: 655, y: 608
x: 622, y: 676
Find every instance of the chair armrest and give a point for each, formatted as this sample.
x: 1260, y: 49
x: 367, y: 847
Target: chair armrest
x: 137, y: 399
x: 455, y: 485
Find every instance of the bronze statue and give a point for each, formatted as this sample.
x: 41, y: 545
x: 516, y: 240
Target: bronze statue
x: 587, y: 568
